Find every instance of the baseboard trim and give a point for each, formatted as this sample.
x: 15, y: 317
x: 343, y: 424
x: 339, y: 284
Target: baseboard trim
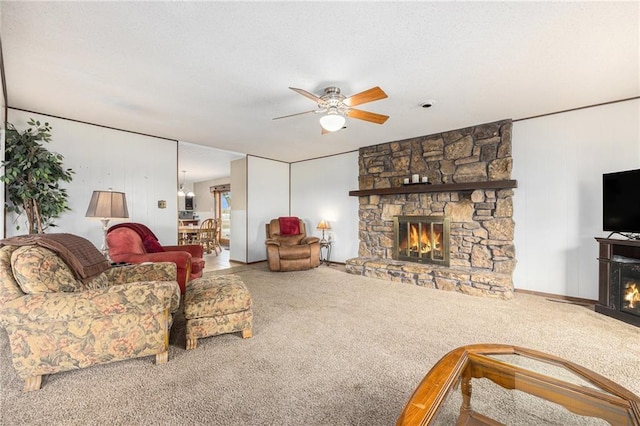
x: 559, y: 297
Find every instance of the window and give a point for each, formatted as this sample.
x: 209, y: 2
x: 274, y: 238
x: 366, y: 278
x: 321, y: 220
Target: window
x: 222, y: 210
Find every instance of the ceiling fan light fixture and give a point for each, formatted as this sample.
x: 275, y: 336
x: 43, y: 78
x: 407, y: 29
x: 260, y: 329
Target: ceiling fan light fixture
x: 337, y: 107
x: 332, y: 122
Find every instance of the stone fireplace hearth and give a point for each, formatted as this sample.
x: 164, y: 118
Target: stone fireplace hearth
x: 469, y: 171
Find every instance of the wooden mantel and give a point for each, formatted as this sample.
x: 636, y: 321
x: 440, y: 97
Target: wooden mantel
x: 442, y: 187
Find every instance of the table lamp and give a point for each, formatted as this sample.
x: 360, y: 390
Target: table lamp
x: 107, y: 205
x: 323, y: 225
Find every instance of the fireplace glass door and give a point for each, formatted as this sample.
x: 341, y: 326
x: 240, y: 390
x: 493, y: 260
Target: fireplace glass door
x: 422, y: 239
x: 630, y: 288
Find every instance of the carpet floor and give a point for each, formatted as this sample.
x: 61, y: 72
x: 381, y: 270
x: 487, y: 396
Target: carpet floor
x: 329, y: 348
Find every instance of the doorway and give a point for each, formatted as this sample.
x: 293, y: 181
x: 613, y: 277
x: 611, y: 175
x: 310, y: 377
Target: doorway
x: 208, y: 169
x: 222, y: 210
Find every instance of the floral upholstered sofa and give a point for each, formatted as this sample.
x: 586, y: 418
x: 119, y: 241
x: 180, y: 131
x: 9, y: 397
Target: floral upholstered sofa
x: 57, y: 321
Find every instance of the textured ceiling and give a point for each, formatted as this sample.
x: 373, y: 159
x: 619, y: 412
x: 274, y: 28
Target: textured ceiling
x: 216, y: 73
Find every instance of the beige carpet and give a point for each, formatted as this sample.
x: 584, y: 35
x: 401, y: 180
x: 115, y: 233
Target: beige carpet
x: 329, y: 348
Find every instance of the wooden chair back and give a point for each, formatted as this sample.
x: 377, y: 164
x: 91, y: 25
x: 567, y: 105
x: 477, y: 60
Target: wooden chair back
x: 209, y: 234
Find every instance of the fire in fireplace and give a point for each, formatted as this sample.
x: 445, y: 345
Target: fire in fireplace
x: 631, y: 298
x: 628, y: 274
x: 423, y: 239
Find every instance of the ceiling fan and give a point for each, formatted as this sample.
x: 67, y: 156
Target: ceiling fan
x: 336, y: 107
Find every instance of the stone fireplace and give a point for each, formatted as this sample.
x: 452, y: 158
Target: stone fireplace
x: 469, y: 184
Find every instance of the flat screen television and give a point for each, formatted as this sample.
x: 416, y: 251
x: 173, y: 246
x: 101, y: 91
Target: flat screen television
x: 621, y: 202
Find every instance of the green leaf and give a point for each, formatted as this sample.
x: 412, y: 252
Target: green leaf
x: 32, y: 174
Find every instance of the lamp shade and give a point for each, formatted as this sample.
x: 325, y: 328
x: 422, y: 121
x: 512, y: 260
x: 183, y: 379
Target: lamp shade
x: 323, y: 225
x: 108, y: 204
x: 332, y: 122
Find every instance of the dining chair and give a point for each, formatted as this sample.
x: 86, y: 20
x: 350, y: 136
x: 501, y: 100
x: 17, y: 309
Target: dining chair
x: 207, y: 236
x: 216, y: 239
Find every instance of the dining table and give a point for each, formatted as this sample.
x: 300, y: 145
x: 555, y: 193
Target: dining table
x: 187, y: 234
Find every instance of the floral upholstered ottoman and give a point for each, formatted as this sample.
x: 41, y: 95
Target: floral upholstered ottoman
x: 217, y: 305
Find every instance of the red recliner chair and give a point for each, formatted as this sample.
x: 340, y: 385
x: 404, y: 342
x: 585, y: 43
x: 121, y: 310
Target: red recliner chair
x: 135, y: 243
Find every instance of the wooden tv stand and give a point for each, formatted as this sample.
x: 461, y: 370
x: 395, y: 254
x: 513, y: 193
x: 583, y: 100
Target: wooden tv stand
x: 609, y: 292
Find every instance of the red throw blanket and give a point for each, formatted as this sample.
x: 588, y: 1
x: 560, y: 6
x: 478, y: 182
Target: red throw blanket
x: 289, y: 225
x: 84, y: 259
x: 149, y: 239
x: 140, y: 229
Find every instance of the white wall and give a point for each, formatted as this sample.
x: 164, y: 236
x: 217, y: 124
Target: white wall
x: 142, y: 167
x: 268, y: 198
x: 320, y: 190
x: 558, y: 161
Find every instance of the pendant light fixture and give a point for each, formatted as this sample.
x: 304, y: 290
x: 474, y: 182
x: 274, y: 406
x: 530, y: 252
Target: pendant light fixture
x: 181, y: 190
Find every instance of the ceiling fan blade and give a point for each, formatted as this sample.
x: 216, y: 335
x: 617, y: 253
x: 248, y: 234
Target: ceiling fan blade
x: 304, y: 93
x: 367, y: 116
x: 373, y: 94
x: 299, y: 113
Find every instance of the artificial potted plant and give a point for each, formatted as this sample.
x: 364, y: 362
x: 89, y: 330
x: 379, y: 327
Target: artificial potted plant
x: 32, y: 175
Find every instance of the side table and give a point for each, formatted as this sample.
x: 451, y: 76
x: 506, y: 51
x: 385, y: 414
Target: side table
x: 559, y: 391
x: 326, y: 246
